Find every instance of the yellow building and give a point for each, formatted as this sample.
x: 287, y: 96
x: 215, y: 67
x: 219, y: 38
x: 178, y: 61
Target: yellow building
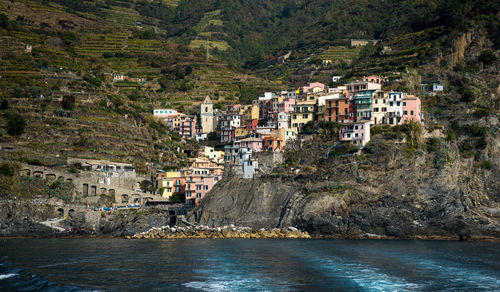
x: 249, y: 114
x: 167, y: 182
x: 212, y: 154
x: 241, y: 133
x: 303, y: 112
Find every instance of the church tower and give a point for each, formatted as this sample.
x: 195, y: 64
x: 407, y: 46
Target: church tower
x: 207, y: 116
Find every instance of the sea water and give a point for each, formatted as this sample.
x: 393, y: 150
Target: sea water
x: 247, y: 265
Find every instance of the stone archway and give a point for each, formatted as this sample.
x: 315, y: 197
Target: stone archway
x: 136, y: 199
x: 103, y: 191
x: 85, y: 190
x: 50, y: 176
x: 69, y: 180
x: 111, y: 192
x: 71, y: 212
x: 60, y: 178
x: 60, y: 212
x: 125, y: 198
x: 38, y: 173
x: 93, y: 191
x: 25, y: 172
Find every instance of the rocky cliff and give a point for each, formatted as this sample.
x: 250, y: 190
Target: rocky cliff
x: 392, y: 192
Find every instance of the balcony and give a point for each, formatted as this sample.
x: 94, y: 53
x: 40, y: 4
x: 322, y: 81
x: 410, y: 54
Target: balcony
x: 394, y: 115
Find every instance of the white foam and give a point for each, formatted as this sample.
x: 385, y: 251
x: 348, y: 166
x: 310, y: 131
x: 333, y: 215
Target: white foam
x: 206, y: 286
x: 6, y: 276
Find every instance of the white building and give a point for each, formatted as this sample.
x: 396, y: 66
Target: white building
x: 395, y: 108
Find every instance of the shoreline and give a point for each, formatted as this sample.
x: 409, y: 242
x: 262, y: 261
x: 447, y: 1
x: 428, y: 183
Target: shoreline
x: 313, y: 237
x: 297, y: 235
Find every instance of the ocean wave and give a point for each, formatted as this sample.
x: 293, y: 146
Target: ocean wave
x: 6, y: 276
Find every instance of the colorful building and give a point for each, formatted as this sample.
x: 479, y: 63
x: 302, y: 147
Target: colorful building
x: 303, y: 112
x: 358, y: 134
x: 412, y: 109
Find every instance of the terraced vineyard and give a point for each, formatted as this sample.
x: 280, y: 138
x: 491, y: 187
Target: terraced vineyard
x: 340, y: 54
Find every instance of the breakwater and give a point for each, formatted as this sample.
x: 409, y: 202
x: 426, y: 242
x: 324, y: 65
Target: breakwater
x: 219, y: 232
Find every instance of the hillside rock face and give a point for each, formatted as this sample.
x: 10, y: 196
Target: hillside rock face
x: 399, y: 198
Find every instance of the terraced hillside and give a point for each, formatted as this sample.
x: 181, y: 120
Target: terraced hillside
x: 111, y: 70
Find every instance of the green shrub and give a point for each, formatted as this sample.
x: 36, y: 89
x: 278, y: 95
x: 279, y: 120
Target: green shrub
x: 7, y: 169
x: 468, y: 95
x: 481, y: 112
x: 68, y: 102
x: 451, y: 135
x: 15, y: 124
x: 485, y: 164
x: 4, y: 104
x: 433, y: 144
x: 487, y: 57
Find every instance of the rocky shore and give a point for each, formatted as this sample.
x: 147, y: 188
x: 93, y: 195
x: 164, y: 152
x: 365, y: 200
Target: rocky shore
x: 218, y: 232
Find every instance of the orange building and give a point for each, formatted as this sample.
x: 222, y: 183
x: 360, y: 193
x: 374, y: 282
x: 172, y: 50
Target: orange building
x: 336, y: 110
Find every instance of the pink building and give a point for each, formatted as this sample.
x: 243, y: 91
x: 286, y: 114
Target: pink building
x: 186, y: 126
x: 373, y: 79
x: 286, y: 106
x: 198, y: 186
x: 255, y: 144
x: 358, y: 134
x: 412, y: 109
x: 313, y: 87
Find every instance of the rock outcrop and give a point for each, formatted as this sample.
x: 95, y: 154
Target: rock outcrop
x: 394, y: 197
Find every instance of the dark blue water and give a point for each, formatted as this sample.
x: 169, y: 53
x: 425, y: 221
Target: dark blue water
x: 247, y: 265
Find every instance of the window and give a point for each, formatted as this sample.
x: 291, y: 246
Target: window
x: 206, y: 109
x: 305, y: 116
x: 198, y: 187
x: 205, y: 187
x: 376, y: 101
x: 405, y: 112
x: 404, y: 103
x: 355, y: 127
x: 198, y: 195
x: 399, y: 103
x: 384, y: 109
x: 177, y: 189
x: 295, y: 116
x: 411, y: 113
x: 375, y: 109
x: 356, y: 135
x: 391, y: 103
x: 348, y: 135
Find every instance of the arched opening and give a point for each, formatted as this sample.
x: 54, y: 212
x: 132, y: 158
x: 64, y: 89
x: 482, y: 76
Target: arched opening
x: 60, y: 212
x: 111, y: 192
x: 71, y: 212
x: 136, y: 199
x: 171, y: 212
x: 69, y: 180
x: 50, y: 177
x: 125, y: 198
x: 85, y: 190
x: 38, y: 173
x: 25, y: 172
x: 61, y: 178
x: 93, y: 191
x: 103, y: 191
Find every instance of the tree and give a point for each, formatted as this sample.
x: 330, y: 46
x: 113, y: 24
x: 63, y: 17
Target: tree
x: 4, y: 104
x: 146, y: 185
x: 4, y: 20
x: 15, y: 124
x: 68, y: 102
x: 487, y: 57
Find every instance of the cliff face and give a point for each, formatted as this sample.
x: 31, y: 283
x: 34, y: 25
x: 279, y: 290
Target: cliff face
x: 389, y: 194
